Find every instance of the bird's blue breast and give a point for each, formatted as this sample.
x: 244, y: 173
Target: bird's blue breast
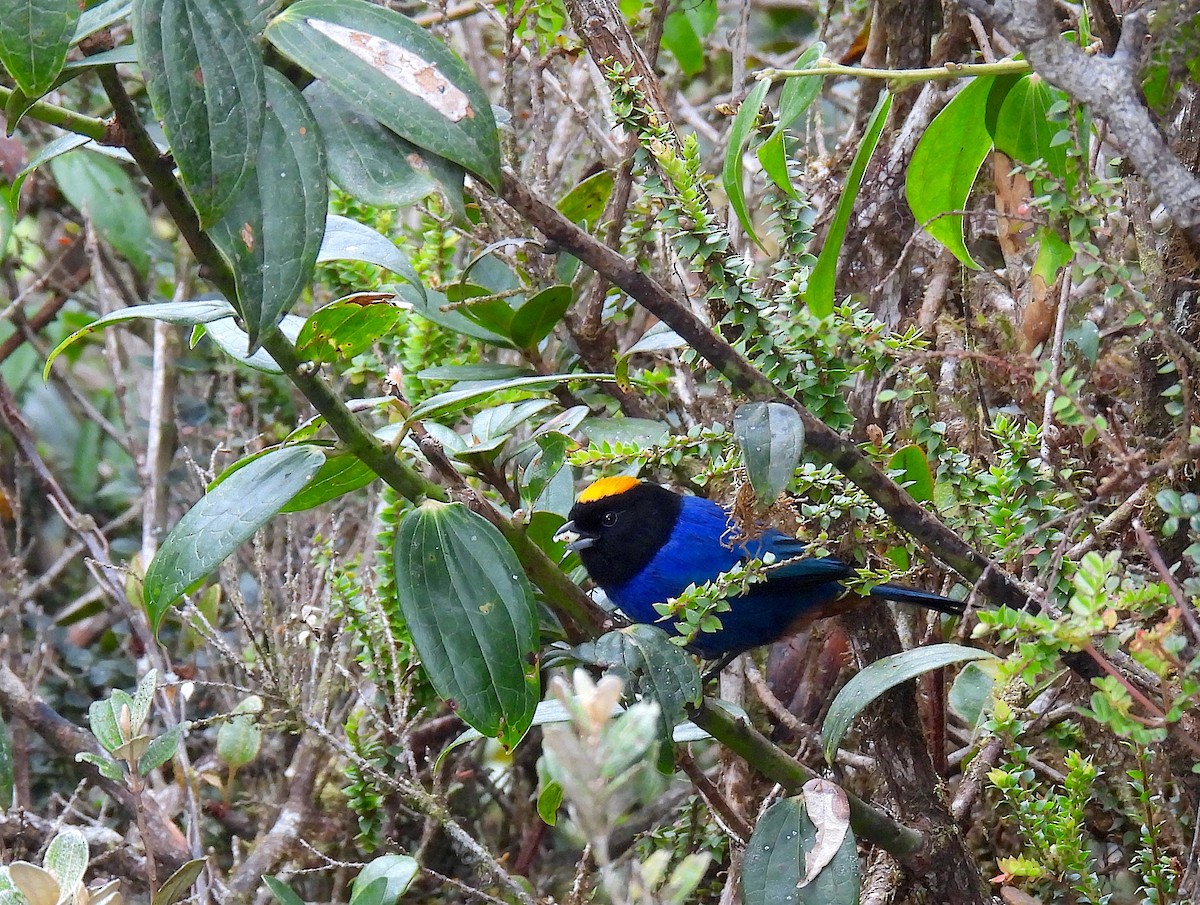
x: 700, y: 548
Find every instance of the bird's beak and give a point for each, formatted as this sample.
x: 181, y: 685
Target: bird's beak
x: 575, y: 541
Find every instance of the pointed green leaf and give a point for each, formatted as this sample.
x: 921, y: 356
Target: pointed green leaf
x: 771, y: 438
x: 103, y: 723
x: 139, y: 709
x: 397, y: 873
x: 348, y: 240
x: 160, y: 750
x: 67, y: 859
x: 821, y: 282
x: 550, y: 798
x: 179, y: 884
x: 34, y: 38
x: 102, y: 15
x: 282, y: 892
x: 739, y: 139
x: 341, y: 474
x: 457, y: 400
x: 234, y: 341
x: 534, y: 320
x: 971, y: 693
x: 797, y: 96
x: 945, y: 165
x: 1023, y: 128
x: 200, y: 311
x: 882, y: 676
x: 273, y: 228
x: 471, y: 612
x: 222, y: 520
x: 204, y: 76
x: 388, y: 66
x: 915, y: 475
x: 107, y: 767
x: 373, y: 163
x: 775, y: 862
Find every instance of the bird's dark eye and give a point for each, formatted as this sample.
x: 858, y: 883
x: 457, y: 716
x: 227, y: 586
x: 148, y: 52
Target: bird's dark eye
x: 608, y: 519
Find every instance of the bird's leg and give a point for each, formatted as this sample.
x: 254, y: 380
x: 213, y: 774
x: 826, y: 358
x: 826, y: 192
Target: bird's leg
x: 715, y: 670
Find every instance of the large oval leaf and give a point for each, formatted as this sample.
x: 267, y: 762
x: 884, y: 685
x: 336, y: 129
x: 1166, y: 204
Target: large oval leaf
x: 1023, y: 128
x: 222, y: 520
x: 775, y: 862
x: 34, y: 38
x: 373, y: 163
x: 271, y: 233
x: 204, y: 77
x: 882, y: 676
x: 471, y: 612
x: 819, y: 294
x: 349, y: 240
x: 388, y: 66
x: 100, y: 189
x: 771, y: 437
x: 945, y: 164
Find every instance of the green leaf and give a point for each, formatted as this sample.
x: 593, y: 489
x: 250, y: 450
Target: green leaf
x: 234, y: 341
x: 66, y: 859
x: 1053, y: 255
x: 179, y: 884
x: 281, y: 891
x: 798, y: 94
x: 775, y: 858
x: 882, y: 676
x: 6, y: 766
x: 101, y: 190
x: 397, y: 873
x: 820, y: 292
x: 1023, y: 128
x: 664, y: 671
x: 389, y: 67
x: 373, y: 163
x: 771, y: 438
x: 471, y: 612
x: 972, y: 692
x: 348, y: 240
x: 160, y: 750
x: 200, y: 311
x: 204, y: 76
x: 534, y: 320
x: 680, y: 38
x: 102, y: 15
x: 457, y: 400
x: 139, y: 708
x: 914, y: 471
x: 475, y: 372
x: 550, y: 798
x: 584, y: 204
x: 222, y: 520
x: 341, y: 474
x: 107, y: 767
x: 239, y: 739
x: 945, y: 165
x: 34, y: 38
x: 273, y: 228
x: 740, y: 133
x: 348, y: 326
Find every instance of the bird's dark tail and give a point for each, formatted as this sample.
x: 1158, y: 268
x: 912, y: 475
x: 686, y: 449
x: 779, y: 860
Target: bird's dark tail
x: 901, y: 594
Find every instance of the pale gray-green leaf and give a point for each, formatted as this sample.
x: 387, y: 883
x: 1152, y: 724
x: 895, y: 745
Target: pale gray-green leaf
x: 771, y: 437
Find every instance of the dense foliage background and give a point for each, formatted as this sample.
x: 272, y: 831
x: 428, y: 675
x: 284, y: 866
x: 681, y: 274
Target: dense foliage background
x: 316, y: 315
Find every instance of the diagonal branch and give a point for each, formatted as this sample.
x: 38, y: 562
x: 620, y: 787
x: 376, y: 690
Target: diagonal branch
x: 1110, y: 87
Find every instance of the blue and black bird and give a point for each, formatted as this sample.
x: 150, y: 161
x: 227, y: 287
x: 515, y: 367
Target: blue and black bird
x: 643, y: 544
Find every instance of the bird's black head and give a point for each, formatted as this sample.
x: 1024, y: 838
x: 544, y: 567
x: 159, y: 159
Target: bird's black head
x: 617, y: 525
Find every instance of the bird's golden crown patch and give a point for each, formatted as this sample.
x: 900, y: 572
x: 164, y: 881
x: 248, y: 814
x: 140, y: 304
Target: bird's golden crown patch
x: 605, y: 487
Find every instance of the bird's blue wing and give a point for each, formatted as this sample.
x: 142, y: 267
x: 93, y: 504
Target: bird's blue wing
x: 793, y: 568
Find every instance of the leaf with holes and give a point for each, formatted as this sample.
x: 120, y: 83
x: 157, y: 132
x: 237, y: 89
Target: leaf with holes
x: 386, y: 65
x: 204, y: 76
x: 472, y: 615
